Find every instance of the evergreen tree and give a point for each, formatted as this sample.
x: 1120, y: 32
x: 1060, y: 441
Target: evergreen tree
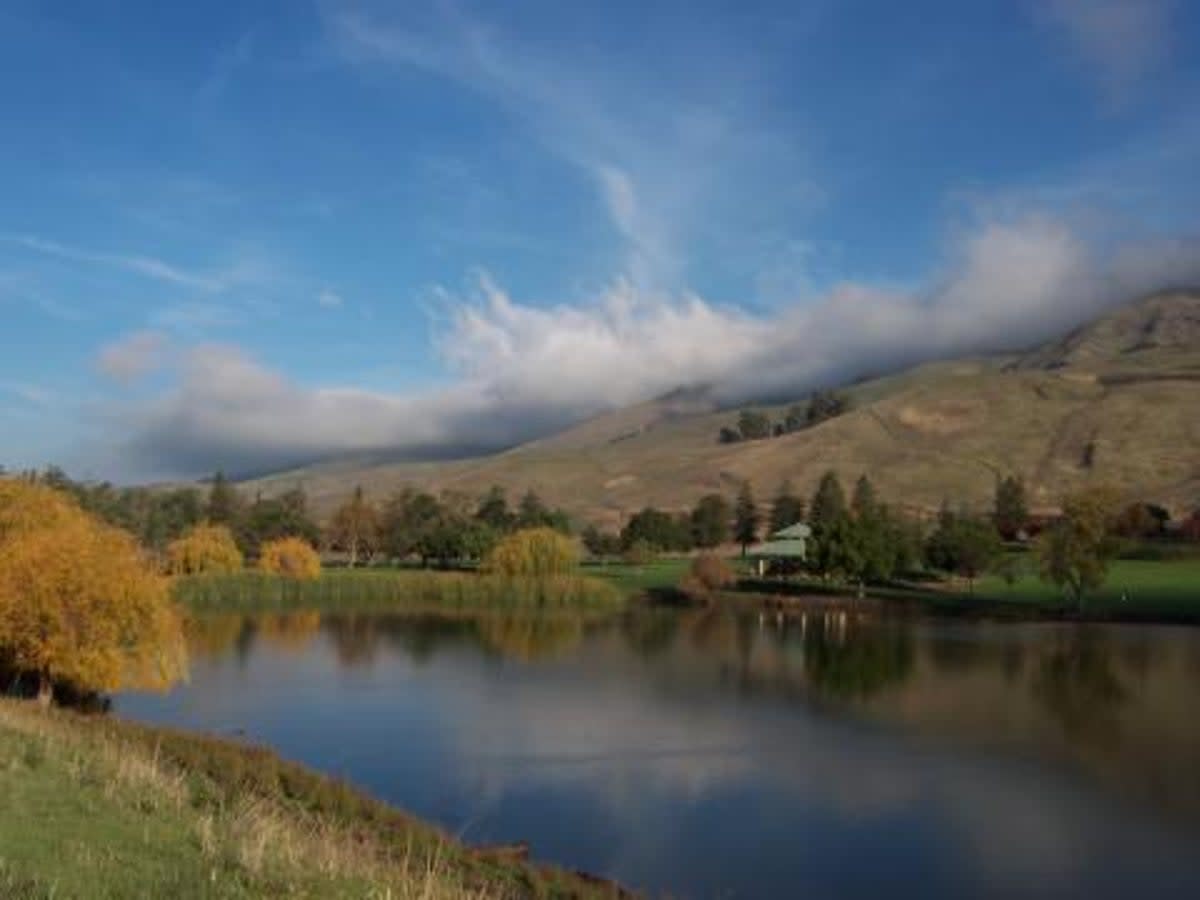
x: 829, y: 502
x: 1011, y: 512
x: 746, y: 518
x: 864, y: 504
x: 787, y: 509
x: 710, y: 521
x: 224, y: 504
x: 827, y: 518
x: 493, y: 510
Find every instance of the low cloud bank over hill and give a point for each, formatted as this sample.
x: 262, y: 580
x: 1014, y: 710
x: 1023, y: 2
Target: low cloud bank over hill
x: 522, y: 371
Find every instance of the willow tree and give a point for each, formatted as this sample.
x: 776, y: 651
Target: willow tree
x: 80, y: 605
x: 533, y: 552
x: 205, y: 550
x: 291, y: 557
x: 354, y: 527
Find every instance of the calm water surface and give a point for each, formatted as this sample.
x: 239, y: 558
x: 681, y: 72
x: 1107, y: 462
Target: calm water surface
x: 711, y: 755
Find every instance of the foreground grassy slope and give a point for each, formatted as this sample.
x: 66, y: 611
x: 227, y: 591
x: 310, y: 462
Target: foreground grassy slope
x: 97, y: 808
x: 1117, y: 401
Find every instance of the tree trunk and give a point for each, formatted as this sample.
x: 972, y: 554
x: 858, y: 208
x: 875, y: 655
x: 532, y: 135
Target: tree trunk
x: 45, y: 693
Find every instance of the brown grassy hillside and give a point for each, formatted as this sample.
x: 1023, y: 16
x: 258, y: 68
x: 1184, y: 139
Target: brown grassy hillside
x: 1115, y: 401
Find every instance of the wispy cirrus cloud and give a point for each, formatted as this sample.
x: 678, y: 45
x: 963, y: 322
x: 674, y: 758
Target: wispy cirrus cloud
x: 666, y: 160
x: 241, y: 272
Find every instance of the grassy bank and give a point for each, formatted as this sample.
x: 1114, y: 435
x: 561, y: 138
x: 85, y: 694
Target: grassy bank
x: 394, y: 589
x: 1136, y: 590
x: 1168, y: 588
x: 98, y: 807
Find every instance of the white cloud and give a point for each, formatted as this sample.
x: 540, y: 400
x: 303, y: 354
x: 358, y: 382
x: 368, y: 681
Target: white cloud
x: 1121, y: 40
x: 132, y: 356
x: 329, y: 299
x: 524, y: 370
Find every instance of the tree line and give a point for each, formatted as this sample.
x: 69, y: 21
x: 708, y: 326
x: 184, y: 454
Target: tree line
x: 859, y: 538
x: 448, y: 529
x: 755, y: 425
x: 443, y: 529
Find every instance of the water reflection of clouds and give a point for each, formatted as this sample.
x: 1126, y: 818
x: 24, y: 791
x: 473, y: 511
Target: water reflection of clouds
x: 724, y: 750
x: 634, y: 750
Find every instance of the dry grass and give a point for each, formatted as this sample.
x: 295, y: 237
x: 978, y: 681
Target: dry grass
x: 98, y: 808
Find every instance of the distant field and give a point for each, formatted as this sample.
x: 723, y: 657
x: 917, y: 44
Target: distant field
x: 1167, y: 589
x: 631, y: 579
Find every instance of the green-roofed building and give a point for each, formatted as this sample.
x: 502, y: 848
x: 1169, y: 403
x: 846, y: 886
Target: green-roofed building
x: 787, y: 545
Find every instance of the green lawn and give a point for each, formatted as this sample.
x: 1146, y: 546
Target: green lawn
x: 1166, y: 588
x: 660, y: 574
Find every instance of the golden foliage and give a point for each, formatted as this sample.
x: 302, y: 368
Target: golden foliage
x: 79, y: 603
x: 533, y: 552
x: 205, y: 550
x: 289, y: 631
x: 291, y: 557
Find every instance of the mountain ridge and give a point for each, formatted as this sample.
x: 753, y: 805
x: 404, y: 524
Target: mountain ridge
x: 1116, y: 400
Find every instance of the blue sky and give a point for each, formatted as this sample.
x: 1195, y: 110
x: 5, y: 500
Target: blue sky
x: 248, y: 234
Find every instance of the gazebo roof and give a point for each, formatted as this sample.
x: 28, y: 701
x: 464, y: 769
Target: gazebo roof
x: 799, y: 531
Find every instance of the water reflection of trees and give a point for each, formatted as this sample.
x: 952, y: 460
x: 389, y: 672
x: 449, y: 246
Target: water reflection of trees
x: 652, y: 632
x: 529, y: 638
x: 855, y: 663
x: 358, y: 639
x: 291, y: 631
x: 213, y: 636
x: 1077, y: 683
x: 834, y: 655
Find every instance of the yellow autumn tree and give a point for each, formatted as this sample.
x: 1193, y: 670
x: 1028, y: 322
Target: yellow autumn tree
x: 80, y: 604
x: 533, y: 552
x: 205, y: 550
x: 291, y: 557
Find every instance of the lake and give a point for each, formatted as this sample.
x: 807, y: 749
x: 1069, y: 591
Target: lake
x: 708, y: 754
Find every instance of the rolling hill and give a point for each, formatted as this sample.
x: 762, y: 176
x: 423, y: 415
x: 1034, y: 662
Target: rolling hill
x: 1116, y: 401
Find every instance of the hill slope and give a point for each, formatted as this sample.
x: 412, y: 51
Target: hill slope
x: 1117, y: 401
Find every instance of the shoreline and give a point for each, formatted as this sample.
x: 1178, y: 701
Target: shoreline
x: 186, y: 800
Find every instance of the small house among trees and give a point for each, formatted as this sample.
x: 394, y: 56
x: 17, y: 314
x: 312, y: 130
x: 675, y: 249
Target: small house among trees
x: 788, y: 546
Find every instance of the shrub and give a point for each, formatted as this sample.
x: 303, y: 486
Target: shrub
x: 205, y: 550
x: 712, y: 572
x: 291, y: 557
x: 533, y: 552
